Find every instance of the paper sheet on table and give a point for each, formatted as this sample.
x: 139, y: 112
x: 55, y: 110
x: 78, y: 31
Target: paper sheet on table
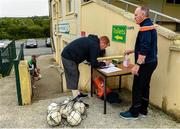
x: 2, y: 44
x: 110, y: 69
x: 107, y: 66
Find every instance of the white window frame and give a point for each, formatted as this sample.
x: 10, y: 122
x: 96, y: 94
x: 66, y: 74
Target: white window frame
x: 70, y: 6
x: 60, y: 8
x: 54, y: 10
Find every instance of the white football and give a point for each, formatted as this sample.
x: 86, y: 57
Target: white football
x: 54, y: 118
x: 52, y: 107
x: 65, y: 110
x: 80, y: 107
x: 74, y: 118
x: 67, y: 100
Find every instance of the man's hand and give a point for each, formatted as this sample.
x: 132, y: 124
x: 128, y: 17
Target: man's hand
x: 128, y: 52
x: 141, y: 59
x: 108, y: 62
x: 135, y: 69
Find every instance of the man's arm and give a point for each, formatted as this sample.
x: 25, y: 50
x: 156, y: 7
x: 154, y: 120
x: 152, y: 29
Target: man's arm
x: 94, y: 53
x: 128, y: 52
x: 145, y: 46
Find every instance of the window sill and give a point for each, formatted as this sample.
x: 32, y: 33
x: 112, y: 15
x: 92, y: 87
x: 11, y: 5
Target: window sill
x: 69, y: 13
x: 60, y: 17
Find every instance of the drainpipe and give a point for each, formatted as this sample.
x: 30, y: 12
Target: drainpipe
x: 61, y: 75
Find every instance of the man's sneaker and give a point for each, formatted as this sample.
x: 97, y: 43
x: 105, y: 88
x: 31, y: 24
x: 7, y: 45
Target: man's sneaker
x: 127, y: 116
x: 142, y: 115
x: 82, y: 95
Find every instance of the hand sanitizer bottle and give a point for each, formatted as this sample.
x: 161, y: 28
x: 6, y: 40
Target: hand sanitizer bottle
x: 126, y: 61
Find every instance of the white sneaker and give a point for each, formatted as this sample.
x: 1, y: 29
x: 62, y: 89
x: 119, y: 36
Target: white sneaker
x: 142, y: 115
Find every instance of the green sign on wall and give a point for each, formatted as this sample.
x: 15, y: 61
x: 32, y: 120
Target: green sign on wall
x: 119, y: 33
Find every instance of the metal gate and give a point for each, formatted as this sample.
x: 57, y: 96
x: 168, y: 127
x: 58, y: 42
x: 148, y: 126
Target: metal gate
x: 16, y: 69
x: 7, y: 55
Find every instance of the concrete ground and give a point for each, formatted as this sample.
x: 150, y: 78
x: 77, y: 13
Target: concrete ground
x: 50, y: 84
x: 49, y: 90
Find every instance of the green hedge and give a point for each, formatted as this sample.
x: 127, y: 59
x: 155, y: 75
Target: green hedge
x: 21, y: 28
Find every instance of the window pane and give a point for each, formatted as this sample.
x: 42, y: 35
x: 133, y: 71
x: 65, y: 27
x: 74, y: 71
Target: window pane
x: 60, y: 8
x: 169, y: 1
x: 177, y: 1
x: 54, y: 10
x: 70, y: 6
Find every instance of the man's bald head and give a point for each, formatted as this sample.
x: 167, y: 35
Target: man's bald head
x: 140, y: 14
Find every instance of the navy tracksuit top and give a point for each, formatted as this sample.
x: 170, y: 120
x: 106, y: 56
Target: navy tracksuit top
x: 84, y: 48
x: 146, y: 43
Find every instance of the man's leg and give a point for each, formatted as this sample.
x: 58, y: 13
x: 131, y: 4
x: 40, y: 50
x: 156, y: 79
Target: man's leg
x: 131, y: 113
x: 145, y: 94
x: 72, y: 77
x: 138, y: 84
x: 75, y: 93
x: 71, y: 73
x: 136, y: 96
x: 141, y: 89
x: 144, y: 78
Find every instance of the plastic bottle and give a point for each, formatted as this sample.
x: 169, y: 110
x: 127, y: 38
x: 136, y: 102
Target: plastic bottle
x: 126, y: 61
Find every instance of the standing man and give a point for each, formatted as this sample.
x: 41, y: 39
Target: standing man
x: 79, y: 50
x: 145, y: 63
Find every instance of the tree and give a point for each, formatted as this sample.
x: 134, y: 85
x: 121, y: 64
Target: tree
x: 20, y: 28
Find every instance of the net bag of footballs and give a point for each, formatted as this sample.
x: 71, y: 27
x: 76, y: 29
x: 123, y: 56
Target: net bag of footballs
x: 66, y: 109
x: 79, y: 106
x: 69, y: 112
x: 54, y: 118
x: 74, y: 118
x: 53, y: 107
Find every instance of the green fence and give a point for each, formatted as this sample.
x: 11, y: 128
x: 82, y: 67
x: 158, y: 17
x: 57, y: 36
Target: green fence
x: 16, y: 68
x: 7, y: 55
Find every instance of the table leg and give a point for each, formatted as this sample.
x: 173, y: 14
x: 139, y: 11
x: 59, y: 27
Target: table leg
x: 120, y: 83
x: 91, y: 82
x: 105, y: 95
